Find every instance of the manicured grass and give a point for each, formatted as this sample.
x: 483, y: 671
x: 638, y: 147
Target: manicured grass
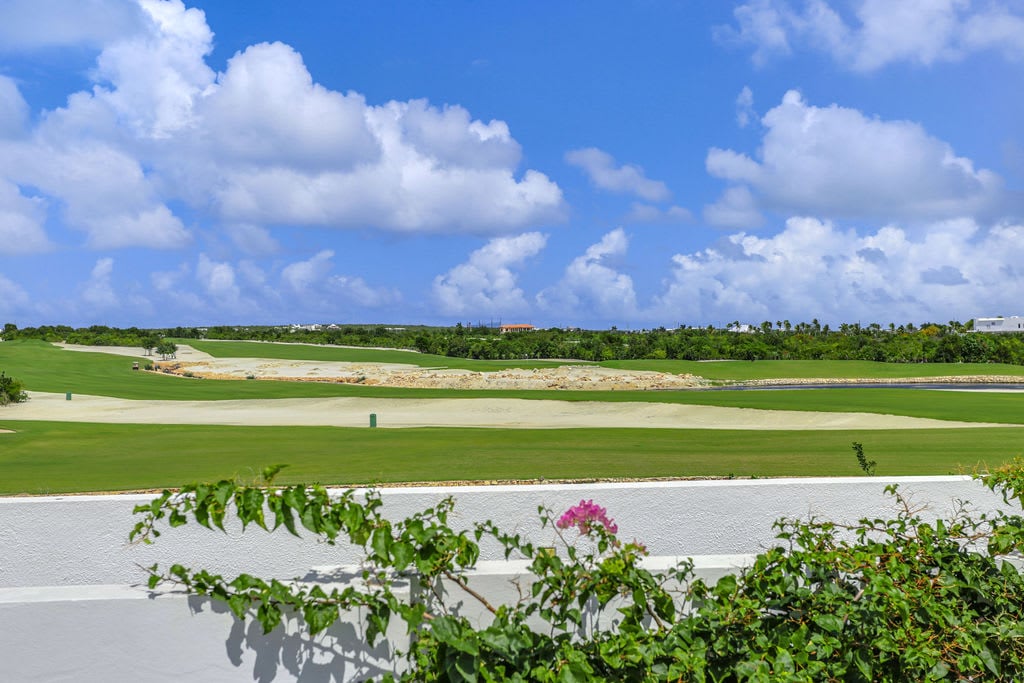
x: 805, y: 369
x: 65, y: 457
x: 46, y: 368
x: 966, y: 406
x: 45, y: 457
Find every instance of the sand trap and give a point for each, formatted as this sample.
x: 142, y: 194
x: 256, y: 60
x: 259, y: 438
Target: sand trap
x: 185, y: 352
x: 565, y: 377
x: 477, y: 412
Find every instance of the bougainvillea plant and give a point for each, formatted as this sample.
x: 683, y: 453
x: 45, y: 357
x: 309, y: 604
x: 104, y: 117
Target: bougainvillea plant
x: 584, y: 516
x: 892, y: 600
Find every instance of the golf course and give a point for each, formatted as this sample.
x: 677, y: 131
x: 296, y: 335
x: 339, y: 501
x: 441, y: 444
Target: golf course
x: 92, y: 423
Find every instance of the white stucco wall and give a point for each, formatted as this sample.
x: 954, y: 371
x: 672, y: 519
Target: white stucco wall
x: 68, y: 611
x: 73, y: 540
x: 114, y: 634
x: 1014, y: 323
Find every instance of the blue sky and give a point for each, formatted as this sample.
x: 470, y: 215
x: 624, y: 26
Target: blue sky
x: 635, y: 164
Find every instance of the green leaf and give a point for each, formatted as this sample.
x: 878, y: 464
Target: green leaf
x: 940, y: 670
x: 239, y: 604
x: 829, y: 622
x: 176, y: 519
x: 465, y: 666
x: 319, y: 617
x: 222, y: 491
x: 989, y: 660
x: 269, y: 616
x: 402, y: 555
x: 381, y: 542
x: 270, y: 472
x: 863, y: 665
x: 294, y: 497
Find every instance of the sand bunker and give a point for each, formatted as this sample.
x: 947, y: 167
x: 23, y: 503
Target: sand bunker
x: 476, y: 412
x: 185, y: 352
x: 567, y: 377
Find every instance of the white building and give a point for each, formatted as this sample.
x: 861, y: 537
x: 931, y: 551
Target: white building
x: 1014, y: 323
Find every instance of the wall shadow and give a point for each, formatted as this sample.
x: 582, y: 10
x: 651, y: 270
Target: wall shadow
x: 339, y: 654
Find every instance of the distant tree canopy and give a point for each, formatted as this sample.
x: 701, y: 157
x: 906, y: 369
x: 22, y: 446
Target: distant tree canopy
x: 166, y: 349
x: 951, y: 342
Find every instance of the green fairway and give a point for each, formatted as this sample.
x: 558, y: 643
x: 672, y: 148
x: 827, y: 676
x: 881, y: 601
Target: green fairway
x: 966, y: 406
x: 45, y: 457
x: 42, y: 457
x: 738, y: 371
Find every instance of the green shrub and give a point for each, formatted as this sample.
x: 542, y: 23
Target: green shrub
x: 11, y: 390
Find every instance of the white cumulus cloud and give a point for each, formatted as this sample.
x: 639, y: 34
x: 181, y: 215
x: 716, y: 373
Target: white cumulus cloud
x: 21, y: 222
x: 486, y: 283
x: 217, y: 280
x: 252, y: 239
x: 152, y: 79
x: 302, y: 275
x: 33, y: 24
x: 313, y: 285
x: 258, y: 145
x: 736, y: 209
x: 813, y: 269
x: 640, y: 212
x: 98, y: 291
x: 13, y: 297
x: 13, y: 109
x: 866, y: 35
x: 603, y: 172
x: 745, y: 107
x: 837, y: 162
x: 265, y: 109
x: 592, y: 283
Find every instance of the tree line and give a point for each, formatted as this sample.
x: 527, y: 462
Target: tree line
x: 951, y: 342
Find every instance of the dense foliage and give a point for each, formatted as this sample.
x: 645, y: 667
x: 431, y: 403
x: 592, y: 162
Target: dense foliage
x: 11, y: 390
x: 894, y: 600
x: 951, y: 342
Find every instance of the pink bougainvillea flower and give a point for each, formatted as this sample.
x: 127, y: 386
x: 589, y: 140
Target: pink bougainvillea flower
x: 584, y: 516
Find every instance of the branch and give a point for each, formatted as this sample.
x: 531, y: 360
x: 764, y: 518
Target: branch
x: 461, y: 583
